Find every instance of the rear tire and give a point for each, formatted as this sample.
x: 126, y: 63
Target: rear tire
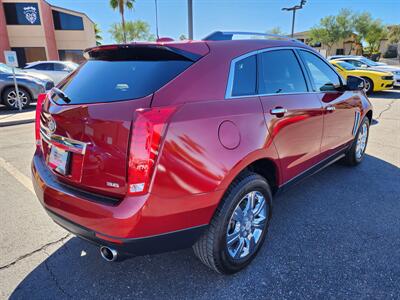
x: 238, y: 227
x: 356, y: 153
x: 9, y: 98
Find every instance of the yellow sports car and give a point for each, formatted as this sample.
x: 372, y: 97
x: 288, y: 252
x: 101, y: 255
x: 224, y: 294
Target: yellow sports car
x: 374, y: 80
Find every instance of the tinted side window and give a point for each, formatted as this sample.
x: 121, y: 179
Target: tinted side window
x: 43, y: 67
x: 60, y: 67
x: 245, y: 77
x: 355, y: 63
x: 323, y: 77
x: 280, y: 72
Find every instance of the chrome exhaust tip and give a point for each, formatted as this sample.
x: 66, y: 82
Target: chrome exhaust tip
x: 108, y: 254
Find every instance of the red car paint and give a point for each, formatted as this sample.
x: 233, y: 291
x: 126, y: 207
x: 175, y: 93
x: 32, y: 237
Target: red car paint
x: 207, y: 142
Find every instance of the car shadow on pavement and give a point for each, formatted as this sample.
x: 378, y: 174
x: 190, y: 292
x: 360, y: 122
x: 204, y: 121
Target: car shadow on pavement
x: 388, y: 94
x: 336, y: 234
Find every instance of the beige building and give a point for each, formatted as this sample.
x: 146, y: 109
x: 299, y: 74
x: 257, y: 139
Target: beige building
x: 37, y: 30
x: 341, y: 47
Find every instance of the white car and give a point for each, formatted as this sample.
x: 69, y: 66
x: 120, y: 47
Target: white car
x: 56, y: 70
x: 363, y: 62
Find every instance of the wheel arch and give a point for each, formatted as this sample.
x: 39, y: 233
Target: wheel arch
x: 257, y: 162
x: 369, y: 115
x: 371, y: 80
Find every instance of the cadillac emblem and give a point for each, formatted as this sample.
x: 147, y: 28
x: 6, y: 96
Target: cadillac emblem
x: 51, y: 125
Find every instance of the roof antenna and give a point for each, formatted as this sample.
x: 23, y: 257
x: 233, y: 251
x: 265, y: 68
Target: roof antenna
x: 155, y: 2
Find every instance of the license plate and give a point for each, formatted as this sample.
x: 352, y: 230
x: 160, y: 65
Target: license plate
x: 58, y: 160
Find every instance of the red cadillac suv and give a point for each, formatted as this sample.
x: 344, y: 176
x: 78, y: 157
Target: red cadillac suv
x: 152, y: 147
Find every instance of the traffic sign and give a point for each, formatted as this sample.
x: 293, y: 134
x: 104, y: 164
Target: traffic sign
x: 11, y: 58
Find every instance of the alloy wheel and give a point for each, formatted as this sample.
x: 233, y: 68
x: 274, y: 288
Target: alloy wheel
x: 246, y: 225
x: 361, y: 141
x: 12, y: 98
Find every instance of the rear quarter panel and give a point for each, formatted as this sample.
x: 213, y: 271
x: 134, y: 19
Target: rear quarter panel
x: 194, y: 160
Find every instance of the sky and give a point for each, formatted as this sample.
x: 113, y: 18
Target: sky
x: 230, y: 15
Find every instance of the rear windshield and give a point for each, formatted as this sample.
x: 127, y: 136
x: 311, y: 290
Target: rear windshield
x: 109, y: 81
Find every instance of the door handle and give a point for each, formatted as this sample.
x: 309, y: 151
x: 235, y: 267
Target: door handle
x: 330, y: 108
x: 278, y: 111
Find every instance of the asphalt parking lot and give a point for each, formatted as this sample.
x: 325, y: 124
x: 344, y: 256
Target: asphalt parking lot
x: 336, y: 235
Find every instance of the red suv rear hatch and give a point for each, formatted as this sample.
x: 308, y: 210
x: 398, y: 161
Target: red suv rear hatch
x: 86, y: 123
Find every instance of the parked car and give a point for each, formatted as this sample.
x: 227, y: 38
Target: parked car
x: 29, y: 87
x: 365, y: 63
x: 154, y: 147
x: 57, y: 70
x: 374, y: 80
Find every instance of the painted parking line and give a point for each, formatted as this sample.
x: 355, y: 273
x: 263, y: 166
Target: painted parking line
x: 14, y: 172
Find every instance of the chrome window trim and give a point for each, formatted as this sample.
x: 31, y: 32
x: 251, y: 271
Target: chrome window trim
x: 229, y: 87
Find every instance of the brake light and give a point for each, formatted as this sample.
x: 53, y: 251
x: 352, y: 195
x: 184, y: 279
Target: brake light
x: 39, y: 104
x: 147, y: 132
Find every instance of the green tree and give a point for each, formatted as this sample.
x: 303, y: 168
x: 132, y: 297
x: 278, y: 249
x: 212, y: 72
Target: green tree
x: 394, y: 37
x: 331, y: 29
x: 394, y: 34
x: 369, y: 31
x: 275, y: 30
x: 121, y: 5
x: 327, y: 32
x: 362, y: 23
x: 97, y: 32
x: 134, y: 30
x: 182, y: 37
x: 376, y: 33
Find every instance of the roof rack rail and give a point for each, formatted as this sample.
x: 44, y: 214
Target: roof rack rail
x: 228, y: 36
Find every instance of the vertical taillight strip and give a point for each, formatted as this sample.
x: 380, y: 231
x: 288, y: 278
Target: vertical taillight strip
x: 39, y: 104
x: 148, y: 129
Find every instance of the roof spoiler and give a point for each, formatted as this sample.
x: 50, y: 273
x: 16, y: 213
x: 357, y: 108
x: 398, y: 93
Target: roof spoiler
x: 149, y: 52
x: 229, y: 35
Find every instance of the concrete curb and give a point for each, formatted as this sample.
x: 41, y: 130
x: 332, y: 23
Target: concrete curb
x: 19, y: 122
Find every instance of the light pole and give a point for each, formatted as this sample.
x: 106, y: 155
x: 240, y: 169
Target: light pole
x: 190, y: 19
x: 155, y: 2
x: 293, y: 9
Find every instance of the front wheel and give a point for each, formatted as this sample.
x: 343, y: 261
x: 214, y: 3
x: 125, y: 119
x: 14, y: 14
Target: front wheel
x: 369, y: 85
x: 239, y: 226
x: 10, y: 99
x: 356, y: 153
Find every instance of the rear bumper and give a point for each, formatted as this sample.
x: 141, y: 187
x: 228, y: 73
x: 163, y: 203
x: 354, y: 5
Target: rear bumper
x: 140, y: 246
x: 136, y: 225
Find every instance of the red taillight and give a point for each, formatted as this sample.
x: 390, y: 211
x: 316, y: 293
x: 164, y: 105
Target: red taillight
x: 39, y: 104
x: 147, y: 132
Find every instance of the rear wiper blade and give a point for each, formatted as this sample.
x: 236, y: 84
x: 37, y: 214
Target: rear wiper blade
x: 61, y: 94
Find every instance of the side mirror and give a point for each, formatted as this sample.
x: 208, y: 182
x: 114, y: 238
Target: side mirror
x: 354, y: 83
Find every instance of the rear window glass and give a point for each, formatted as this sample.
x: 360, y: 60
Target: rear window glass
x: 109, y: 81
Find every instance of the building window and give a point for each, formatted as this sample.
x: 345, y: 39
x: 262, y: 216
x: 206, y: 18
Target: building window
x: 63, y: 21
x: 22, y: 13
x: 71, y: 55
x: 29, y: 54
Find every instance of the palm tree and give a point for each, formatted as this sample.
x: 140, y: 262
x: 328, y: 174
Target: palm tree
x: 97, y: 32
x: 121, y: 5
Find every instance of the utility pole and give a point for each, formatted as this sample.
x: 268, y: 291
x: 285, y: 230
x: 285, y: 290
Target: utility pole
x: 293, y: 9
x: 155, y: 2
x: 190, y: 19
